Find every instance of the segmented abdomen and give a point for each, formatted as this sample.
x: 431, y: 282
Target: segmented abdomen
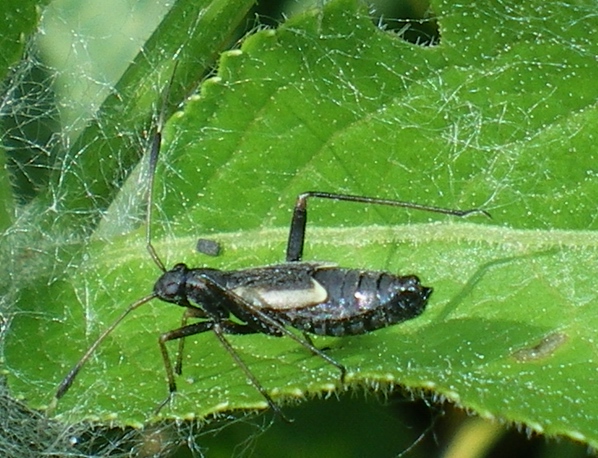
x: 359, y: 302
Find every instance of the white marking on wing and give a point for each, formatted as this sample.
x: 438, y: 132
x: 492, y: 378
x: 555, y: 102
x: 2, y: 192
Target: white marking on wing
x: 284, y: 299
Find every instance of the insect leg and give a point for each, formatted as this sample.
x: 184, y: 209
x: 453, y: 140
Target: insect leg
x: 306, y: 343
x: 299, y: 221
x: 190, y: 312
x: 308, y: 338
x: 219, y: 328
x: 258, y: 320
x: 230, y: 327
x: 179, y: 333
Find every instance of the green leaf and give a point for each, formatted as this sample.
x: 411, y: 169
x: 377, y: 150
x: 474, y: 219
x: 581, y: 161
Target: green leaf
x: 6, y: 204
x: 18, y: 20
x: 501, y: 115
x: 188, y: 37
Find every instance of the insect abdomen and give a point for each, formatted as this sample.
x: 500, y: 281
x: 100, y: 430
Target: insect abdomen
x: 359, y: 302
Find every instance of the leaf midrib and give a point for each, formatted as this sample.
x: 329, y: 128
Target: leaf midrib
x: 521, y: 240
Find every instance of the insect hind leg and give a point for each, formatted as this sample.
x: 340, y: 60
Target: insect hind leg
x: 296, y: 238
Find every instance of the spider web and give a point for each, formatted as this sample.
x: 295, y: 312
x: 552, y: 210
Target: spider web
x: 69, y: 83
x: 71, y: 67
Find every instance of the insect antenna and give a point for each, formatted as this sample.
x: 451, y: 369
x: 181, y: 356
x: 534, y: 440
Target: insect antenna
x: 153, y: 158
x: 70, y: 378
x: 153, y: 162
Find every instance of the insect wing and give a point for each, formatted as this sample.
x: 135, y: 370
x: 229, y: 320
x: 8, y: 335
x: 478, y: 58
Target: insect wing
x: 280, y: 287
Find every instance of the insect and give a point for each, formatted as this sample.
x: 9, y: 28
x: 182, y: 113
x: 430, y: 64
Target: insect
x: 315, y: 298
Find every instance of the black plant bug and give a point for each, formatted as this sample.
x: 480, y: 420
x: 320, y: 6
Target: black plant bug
x: 316, y: 298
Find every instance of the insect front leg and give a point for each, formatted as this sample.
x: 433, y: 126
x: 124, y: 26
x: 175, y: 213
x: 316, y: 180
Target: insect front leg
x: 191, y: 330
x: 190, y: 312
x: 220, y: 328
x: 179, y: 333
